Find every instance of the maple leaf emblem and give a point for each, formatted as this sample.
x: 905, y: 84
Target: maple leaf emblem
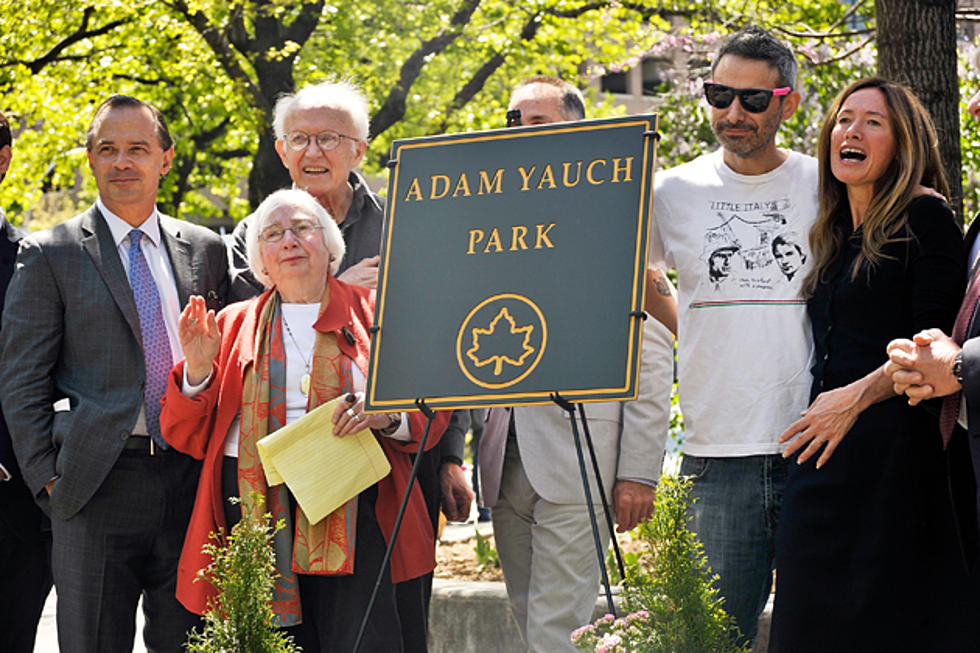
x: 509, y: 345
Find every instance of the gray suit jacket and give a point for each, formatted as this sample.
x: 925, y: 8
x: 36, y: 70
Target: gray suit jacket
x: 71, y: 331
x: 629, y: 437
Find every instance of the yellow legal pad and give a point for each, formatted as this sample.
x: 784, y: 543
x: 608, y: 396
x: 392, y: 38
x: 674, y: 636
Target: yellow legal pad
x: 320, y: 469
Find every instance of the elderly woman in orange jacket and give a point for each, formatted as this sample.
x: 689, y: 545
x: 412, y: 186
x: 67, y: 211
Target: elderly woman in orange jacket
x: 261, y: 364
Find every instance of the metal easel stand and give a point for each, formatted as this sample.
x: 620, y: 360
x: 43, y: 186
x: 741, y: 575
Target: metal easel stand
x: 430, y: 415
x: 569, y: 408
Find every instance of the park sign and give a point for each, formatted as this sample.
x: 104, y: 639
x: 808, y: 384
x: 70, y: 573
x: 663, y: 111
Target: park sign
x: 513, y: 265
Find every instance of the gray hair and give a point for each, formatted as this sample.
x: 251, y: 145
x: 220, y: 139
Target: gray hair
x: 297, y: 199
x: 571, y: 103
x: 343, y: 96
x: 756, y: 43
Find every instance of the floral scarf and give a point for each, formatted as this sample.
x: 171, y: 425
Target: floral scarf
x: 323, y: 548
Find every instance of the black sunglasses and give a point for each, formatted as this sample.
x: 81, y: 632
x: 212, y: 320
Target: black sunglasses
x: 754, y: 100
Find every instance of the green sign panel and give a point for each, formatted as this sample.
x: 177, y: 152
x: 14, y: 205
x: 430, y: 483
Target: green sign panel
x: 513, y: 265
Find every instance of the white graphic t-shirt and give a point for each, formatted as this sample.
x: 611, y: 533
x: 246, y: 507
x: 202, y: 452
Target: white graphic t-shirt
x: 739, y: 243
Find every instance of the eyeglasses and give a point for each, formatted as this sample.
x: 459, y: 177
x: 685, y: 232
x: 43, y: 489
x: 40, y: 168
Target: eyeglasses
x: 754, y: 100
x: 302, y: 229
x: 327, y: 140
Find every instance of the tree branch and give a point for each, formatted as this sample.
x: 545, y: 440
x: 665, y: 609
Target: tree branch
x: 222, y: 50
x: 304, y: 24
x: 848, y: 53
x: 81, y: 33
x: 847, y: 14
x: 480, y: 77
x: 393, y: 108
x: 824, y: 35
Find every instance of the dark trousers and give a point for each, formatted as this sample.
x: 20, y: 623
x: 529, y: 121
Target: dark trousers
x: 123, y: 544
x: 25, y: 580
x: 333, y: 606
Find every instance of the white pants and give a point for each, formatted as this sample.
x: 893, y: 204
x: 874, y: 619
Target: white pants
x: 547, y: 552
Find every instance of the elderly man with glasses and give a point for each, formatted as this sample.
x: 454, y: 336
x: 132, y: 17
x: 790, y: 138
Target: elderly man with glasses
x: 321, y: 136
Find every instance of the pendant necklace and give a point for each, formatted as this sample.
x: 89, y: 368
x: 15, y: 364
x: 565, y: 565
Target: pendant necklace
x: 304, y: 383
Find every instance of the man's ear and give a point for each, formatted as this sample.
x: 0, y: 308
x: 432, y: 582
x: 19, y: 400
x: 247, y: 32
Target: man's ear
x: 790, y: 103
x: 168, y: 159
x: 360, y: 149
x: 6, y: 154
x: 281, y: 151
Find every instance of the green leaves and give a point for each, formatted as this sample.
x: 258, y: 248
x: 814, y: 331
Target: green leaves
x: 243, y: 570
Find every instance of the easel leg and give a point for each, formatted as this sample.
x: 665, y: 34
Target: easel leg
x: 430, y: 414
x: 600, y: 553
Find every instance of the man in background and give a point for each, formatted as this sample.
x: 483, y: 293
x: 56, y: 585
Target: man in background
x: 529, y: 470
x: 25, y: 536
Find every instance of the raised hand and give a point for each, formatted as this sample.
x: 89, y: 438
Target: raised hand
x: 199, y: 338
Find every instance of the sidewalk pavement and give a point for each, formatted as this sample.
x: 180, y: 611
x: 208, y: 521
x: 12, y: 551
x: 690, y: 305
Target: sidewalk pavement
x: 47, y: 631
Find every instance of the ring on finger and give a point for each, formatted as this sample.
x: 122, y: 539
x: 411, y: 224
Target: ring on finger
x: 350, y: 413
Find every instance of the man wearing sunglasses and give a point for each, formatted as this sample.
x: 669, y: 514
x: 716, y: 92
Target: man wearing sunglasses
x: 744, y: 339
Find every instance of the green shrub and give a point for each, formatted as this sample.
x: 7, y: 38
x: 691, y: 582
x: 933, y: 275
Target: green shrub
x: 240, y: 619
x: 672, y: 605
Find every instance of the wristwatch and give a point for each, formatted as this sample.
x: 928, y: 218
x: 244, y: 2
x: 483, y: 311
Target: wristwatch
x: 958, y: 368
x: 396, y: 421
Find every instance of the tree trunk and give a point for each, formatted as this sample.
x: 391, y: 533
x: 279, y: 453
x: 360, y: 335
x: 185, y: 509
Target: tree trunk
x: 917, y: 47
x: 268, y: 174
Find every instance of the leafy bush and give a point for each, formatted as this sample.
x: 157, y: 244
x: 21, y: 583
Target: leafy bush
x: 673, y: 607
x: 243, y: 570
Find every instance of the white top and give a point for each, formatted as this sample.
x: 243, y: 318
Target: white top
x: 158, y: 261
x: 744, y: 341
x: 299, y: 353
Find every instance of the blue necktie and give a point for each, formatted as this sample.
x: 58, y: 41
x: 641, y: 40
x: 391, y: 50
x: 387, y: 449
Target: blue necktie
x: 156, y: 343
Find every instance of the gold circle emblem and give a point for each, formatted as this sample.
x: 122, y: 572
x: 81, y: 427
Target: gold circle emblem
x: 501, y: 340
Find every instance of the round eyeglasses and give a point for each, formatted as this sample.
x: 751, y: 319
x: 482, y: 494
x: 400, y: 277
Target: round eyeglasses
x: 302, y: 229
x: 326, y: 140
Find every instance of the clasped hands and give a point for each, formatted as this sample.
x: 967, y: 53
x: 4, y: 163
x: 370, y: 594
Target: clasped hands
x: 922, y: 368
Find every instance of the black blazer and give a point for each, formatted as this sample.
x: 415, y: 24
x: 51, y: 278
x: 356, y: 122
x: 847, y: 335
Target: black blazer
x: 18, y: 512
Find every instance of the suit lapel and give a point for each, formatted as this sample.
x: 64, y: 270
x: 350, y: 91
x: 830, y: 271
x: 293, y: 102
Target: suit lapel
x: 9, y: 237
x: 970, y: 239
x: 97, y: 241
x: 181, y: 261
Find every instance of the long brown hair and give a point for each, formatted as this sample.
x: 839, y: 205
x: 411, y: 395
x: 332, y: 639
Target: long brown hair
x: 916, y: 162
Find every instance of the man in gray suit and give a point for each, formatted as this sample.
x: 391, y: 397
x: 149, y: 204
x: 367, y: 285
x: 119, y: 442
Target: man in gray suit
x: 529, y: 473
x: 90, y: 323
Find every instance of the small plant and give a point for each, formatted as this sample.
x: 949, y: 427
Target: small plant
x: 673, y: 607
x: 243, y: 570
x: 486, y: 555
x: 630, y: 560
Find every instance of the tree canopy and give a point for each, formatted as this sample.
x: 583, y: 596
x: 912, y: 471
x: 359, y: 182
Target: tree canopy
x: 216, y: 68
